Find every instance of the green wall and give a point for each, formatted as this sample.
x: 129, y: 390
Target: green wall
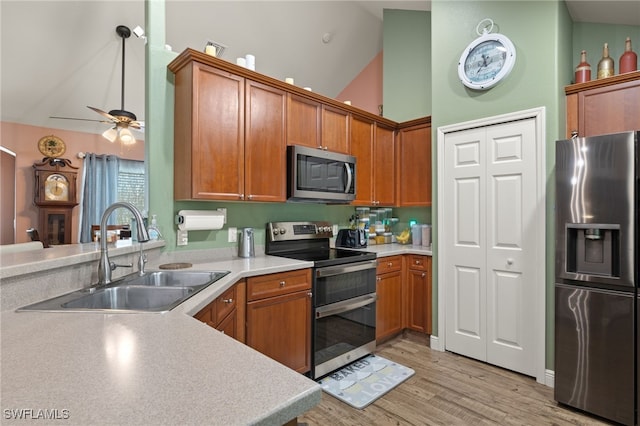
x: 540, y: 32
x: 406, y: 74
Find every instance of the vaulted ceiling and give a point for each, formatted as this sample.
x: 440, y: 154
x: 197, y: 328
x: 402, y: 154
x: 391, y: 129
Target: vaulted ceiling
x: 60, y: 56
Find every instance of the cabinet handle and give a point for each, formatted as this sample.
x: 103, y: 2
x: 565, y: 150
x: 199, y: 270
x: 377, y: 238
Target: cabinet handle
x: 418, y: 262
x: 390, y: 264
x: 378, y: 278
x: 282, y: 283
x: 310, y: 294
x: 241, y: 196
x: 250, y: 197
x: 424, y: 275
x: 227, y: 300
x: 509, y: 261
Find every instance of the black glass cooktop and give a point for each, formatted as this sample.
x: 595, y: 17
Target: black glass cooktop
x: 330, y: 257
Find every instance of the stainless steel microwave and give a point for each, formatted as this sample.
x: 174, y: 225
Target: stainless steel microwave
x: 315, y: 175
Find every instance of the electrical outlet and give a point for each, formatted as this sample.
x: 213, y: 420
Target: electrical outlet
x: 233, y: 235
x: 182, y: 238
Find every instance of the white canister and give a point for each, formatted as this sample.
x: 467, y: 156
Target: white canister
x: 242, y: 62
x: 416, y: 235
x: 426, y: 235
x: 251, y: 62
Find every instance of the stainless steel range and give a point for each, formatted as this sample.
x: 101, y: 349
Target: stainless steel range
x: 343, y: 288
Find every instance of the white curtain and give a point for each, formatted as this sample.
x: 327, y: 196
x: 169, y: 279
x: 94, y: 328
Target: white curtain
x: 99, y: 191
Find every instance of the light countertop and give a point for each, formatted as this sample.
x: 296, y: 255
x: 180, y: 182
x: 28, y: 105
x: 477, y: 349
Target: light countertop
x: 95, y: 368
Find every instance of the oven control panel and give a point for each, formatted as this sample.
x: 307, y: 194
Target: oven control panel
x: 286, y: 231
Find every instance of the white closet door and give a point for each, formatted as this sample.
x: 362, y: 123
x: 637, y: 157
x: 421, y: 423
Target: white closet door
x: 465, y: 276
x: 490, y: 181
x: 511, y: 245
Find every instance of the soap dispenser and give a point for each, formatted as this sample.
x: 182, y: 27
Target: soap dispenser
x: 154, y: 231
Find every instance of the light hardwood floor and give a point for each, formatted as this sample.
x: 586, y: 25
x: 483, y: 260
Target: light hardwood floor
x: 449, y: 389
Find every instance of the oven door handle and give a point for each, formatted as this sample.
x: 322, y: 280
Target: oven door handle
x: 345, y: 305
x: 330, y: 271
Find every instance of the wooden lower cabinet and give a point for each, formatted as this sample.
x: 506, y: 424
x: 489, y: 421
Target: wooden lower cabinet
x: 418, y: 293
x: 279, y: 317
x: 227, y: 312
x: 404, y: 295
x: 389, y: 291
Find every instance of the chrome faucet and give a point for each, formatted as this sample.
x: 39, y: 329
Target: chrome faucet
x: 105, y: 266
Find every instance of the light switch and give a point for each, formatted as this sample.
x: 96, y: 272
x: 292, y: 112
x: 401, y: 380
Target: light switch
x: 233, y: 234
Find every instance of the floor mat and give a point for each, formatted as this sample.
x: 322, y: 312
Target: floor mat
x: 363, y: 381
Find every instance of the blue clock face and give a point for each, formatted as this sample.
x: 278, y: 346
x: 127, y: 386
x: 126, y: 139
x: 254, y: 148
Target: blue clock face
x: 485, y: 61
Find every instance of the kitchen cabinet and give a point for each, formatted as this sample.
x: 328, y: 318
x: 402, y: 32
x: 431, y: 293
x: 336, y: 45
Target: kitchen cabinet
x: 608, y: 105
x: 265, y: 145
x: 312, y: 124
x: 373, y: 146
x: 279, y: 317
x: 389, y: 307
x: 414, y: 164
x: 227, y: 312
x: 221, y: 151
x: 418, y: 293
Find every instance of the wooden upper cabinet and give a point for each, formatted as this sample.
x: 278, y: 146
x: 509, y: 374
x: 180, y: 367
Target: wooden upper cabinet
x: 362, y: 138
x: 209, y: 134
x: 609, y: 105
x: 335, y: 129
x: 384, y: 167
x: 265, y: 143
x: 414, y: 166
x: 303, y: 121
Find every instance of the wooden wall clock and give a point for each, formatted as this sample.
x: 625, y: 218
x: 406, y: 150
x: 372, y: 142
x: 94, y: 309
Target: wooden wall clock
x: 55, y: 193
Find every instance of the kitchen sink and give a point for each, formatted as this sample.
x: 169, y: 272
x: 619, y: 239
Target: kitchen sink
x: 175, y: 278
x: 131, y: 297
x: 155, y: 291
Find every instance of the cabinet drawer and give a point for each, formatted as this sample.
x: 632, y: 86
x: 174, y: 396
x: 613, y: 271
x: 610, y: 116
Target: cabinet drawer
x: 225, y: 303
x: 389, y: 264
x: 417, y: 262
x: 278, y: 284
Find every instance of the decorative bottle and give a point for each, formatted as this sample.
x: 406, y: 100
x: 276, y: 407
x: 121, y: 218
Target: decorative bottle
x: 629, y: 59
x: 583, y: 70
x: 606, y: 67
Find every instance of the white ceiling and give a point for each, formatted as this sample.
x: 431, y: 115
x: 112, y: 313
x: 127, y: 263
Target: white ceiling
x: 58, y: 57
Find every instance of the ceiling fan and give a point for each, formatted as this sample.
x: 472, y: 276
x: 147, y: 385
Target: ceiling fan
x: 121, y: 118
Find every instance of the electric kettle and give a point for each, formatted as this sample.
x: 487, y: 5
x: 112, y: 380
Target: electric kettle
x: 245, y: 243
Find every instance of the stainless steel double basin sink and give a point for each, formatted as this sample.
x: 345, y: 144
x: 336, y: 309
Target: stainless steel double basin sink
x: 155, y: 291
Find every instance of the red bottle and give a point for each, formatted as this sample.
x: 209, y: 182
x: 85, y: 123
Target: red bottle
x: 629, y: 59
x: 583, y: 70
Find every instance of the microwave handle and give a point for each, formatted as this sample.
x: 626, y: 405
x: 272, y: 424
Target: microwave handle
x: 349, y: 177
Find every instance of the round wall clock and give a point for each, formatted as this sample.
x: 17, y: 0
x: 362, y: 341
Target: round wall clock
x: 486, y: 61
x: 51, y: 146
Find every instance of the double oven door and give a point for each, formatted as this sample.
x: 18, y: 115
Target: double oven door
x: 344, y: 315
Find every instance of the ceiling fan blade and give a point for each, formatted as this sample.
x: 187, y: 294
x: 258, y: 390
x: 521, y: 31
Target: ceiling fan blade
x: 139, y: 125
x: 80, y: 119
x: 104, y: 114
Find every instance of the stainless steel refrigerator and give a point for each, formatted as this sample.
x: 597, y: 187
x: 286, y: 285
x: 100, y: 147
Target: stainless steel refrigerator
x: 596, y: 291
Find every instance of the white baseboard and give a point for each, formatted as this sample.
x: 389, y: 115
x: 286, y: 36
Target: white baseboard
x: 550, y: 378
x: 435, y: 343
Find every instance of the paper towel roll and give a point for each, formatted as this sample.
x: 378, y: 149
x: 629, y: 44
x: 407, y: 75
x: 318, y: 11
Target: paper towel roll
x: 198, y: 220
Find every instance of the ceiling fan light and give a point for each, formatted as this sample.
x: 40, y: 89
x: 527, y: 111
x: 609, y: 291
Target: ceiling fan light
x: 110, y: 134
x: 125, y: 136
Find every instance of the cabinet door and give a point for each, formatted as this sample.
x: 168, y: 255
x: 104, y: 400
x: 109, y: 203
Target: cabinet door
x: 389, y: 304
x: 280, y: 327
x: 303, y: 121
x: 209, y: 135
x: 229, y: 325
x: 610, y: 109
x: 414, y: 166
x: 335, y: 130
x: 384, y: 167
x: 418, y: 294
x: 265, y: 143
x: 362, y: 138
